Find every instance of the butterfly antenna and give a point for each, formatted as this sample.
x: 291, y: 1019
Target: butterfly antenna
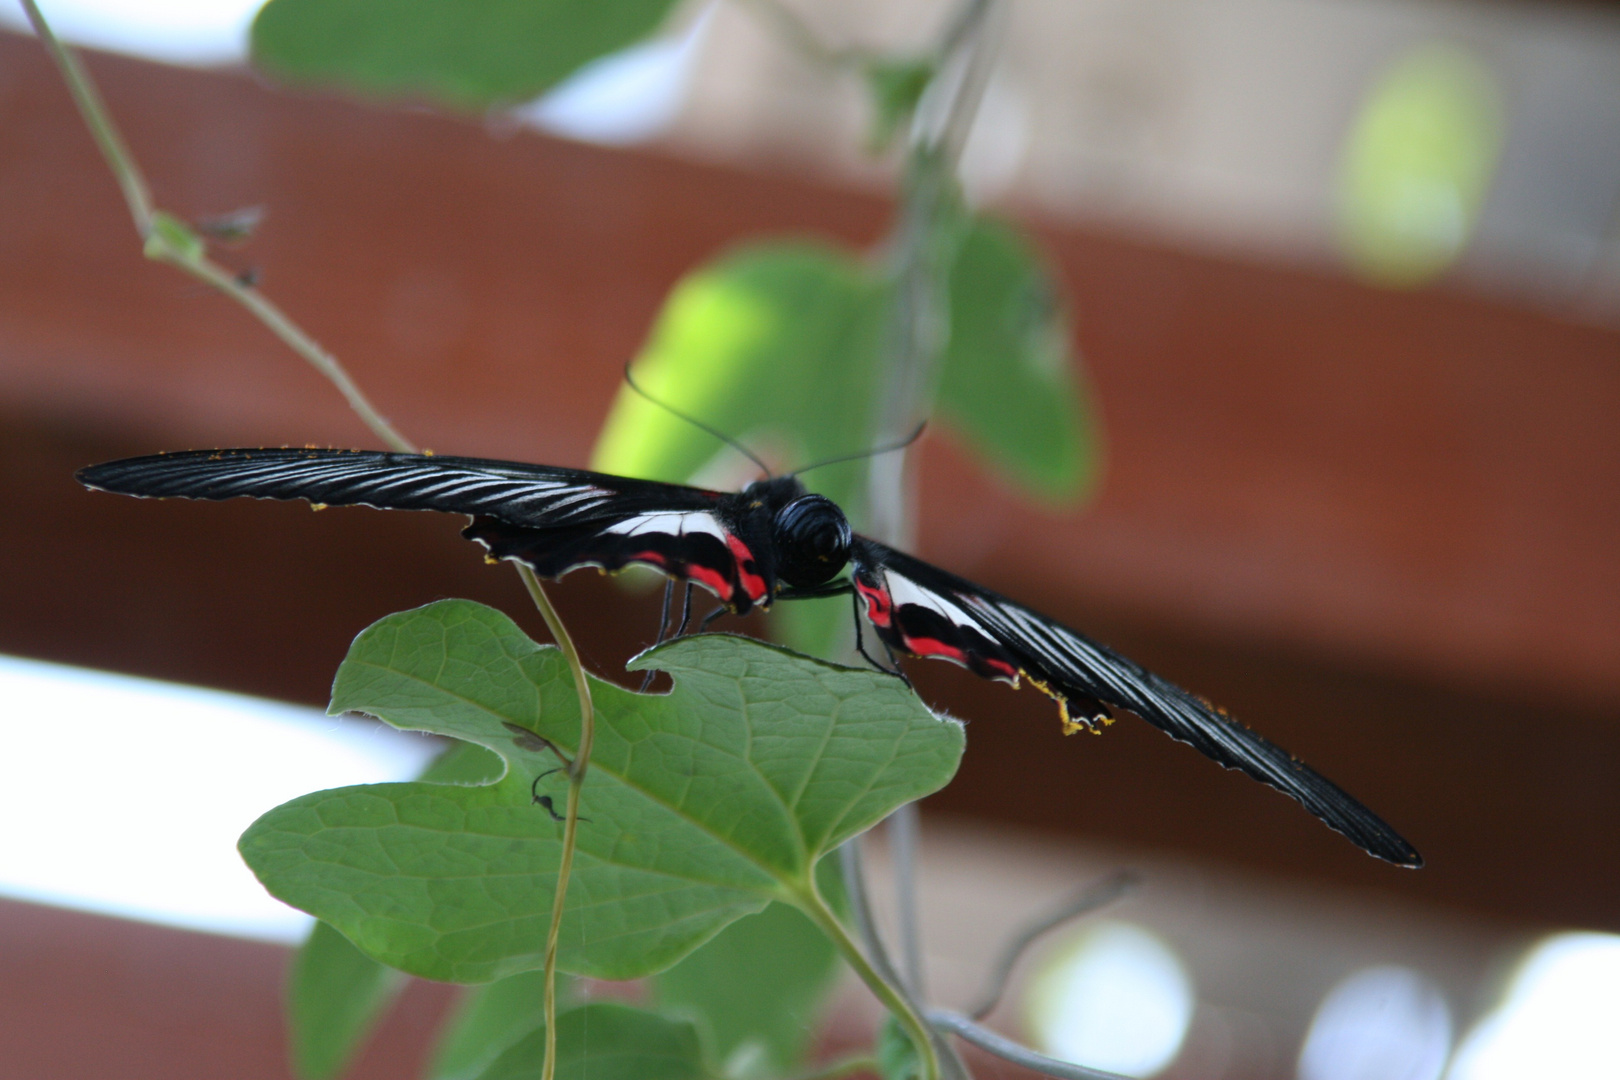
x: 700, y: 425
x: 891, y: 448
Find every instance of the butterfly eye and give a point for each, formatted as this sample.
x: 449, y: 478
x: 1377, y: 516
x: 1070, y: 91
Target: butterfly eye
x: 812, y: 540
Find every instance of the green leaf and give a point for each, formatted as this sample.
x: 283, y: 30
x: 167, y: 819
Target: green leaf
x: 1008, y: 379
x: 465, y: 764
x: 705, y: 804
x: 607, y: 1041
x: 776, y: 345
x: 335, y: 996
x: 171, y: 236
x: 896, y: 1053
x: 896, y: 86
x: 756, y: 990
x: 469, y: 54
x: 489, y: 1019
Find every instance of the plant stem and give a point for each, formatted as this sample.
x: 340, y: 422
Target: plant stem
x: 903, y: 827
x: 576, y: 781
x: 94, y: 111
x: 921, y: 251
x: 169, y: 240
x: 893, y: 997
x: 1007, y: 1050
x: 205, y: 269
x: 1097, y: 895
x: 185, y: 250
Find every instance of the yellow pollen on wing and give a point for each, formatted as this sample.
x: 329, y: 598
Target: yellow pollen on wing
x: 1071, y: 726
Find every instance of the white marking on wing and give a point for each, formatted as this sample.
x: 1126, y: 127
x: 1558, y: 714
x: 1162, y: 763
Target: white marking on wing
x: 673, y: 524
x: 905, y: 591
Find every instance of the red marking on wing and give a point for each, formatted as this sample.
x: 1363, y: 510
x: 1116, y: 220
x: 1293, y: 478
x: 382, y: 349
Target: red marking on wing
x: 712, y: 578
x: 878, y: 604
x: 654, y: 557
x: 752, y: 583
x: 1008, y: 672
x: 930, y: 647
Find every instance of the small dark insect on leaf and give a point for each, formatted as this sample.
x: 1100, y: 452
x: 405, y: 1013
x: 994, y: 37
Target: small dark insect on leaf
x: 524, y: 739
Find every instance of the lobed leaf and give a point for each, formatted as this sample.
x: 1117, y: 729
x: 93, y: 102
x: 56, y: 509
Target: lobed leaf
x: 704, y: 804
x: 336, y: 994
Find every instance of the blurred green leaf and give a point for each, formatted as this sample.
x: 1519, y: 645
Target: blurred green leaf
x: 489, y: 1019
x: 756, y: 990
x: 705, y: 804
x: 608, y: 1041
x: 896, y: 86
x: 897, y: 1056
x: 1008, y: 377
x: 335, y: 996
x: 1417, y: 165
x: 468, y: 54
x: 776, y: 345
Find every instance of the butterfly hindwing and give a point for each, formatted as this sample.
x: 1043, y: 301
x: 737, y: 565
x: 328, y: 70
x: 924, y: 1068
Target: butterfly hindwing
x: 925, y: 611
x: 553, y: 519
x: 689, y: 545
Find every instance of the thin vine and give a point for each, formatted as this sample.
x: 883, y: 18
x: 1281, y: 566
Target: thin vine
x: 166, y: 238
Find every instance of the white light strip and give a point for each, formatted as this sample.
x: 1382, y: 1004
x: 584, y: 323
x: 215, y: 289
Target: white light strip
x: 126, y: 796
x: 626, y: 97
x: 176, y: 31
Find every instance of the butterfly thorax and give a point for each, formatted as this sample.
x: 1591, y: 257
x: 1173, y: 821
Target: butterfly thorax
x: 810, y: 536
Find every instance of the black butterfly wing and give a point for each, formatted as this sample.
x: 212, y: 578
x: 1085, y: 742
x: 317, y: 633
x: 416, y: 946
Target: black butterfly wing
x: 553, y: 519
x: 925, y: 611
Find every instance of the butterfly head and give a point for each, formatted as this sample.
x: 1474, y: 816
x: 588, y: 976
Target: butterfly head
x: 812, y: 540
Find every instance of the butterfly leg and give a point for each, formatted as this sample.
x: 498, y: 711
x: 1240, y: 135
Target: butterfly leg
x: 898, y: 671
x: 711, y: 616
x: 663, y: 624
x: 860, y: 647
x: 686, y: 612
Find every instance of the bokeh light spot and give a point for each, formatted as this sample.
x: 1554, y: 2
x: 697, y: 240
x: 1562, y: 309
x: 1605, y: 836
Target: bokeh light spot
x: 1417, y: 166
x: 1381, y: 1023
x: 1560, y: 1016
x: 1116, y: 997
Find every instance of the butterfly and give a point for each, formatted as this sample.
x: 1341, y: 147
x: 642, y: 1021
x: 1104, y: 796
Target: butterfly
x: 771, y: 542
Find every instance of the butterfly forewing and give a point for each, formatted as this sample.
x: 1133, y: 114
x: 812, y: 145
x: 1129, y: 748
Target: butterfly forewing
x: 517, y: 493
x: 988, y: 630
x: 553, y: 519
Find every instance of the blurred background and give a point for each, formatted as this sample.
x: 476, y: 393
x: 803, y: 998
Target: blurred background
x: 1345, y: 282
